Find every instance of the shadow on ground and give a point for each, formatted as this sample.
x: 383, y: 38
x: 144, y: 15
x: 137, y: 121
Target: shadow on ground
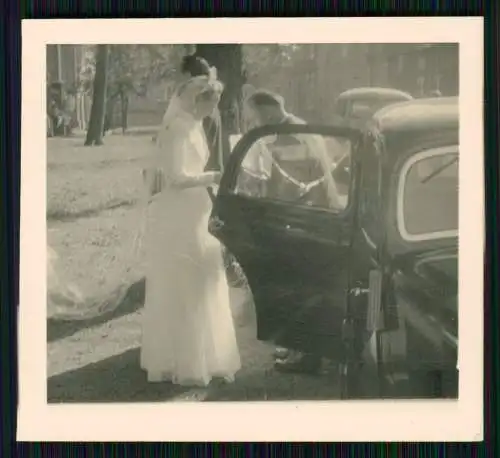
x: 274, y: 386
x: 119, y: 379
x: 68, y: 217
x: 133, y: 301
x: 115, y: 379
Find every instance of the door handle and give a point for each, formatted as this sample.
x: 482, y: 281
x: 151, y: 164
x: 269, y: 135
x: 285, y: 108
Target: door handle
x: 294, y: 230
x: 359, y: 291
x: 215, y: 224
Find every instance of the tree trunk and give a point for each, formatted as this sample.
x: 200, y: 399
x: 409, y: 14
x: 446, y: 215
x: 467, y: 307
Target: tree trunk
x: 109, y: 119
x: 98, y: 110
x: 228, y: 59
x: 124, y: 112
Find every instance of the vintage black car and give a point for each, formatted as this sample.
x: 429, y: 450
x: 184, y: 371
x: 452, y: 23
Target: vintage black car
x: 361, y: 269
x: 359, y: 104
x: 356, y: 106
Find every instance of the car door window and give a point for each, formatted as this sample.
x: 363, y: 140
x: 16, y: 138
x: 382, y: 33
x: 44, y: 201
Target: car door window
x: 362, y: 109
x: 300, y: 169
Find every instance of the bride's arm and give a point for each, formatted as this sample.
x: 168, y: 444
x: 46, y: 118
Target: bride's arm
x: 176, y: 164
x: 185, y: 181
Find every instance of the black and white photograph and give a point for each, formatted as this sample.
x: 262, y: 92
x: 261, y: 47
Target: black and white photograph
x: 253, y: 222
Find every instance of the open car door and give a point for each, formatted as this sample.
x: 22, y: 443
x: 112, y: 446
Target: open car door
x: 287, y: 215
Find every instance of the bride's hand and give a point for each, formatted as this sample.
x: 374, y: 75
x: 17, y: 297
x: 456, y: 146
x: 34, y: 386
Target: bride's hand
x: 216, y: 177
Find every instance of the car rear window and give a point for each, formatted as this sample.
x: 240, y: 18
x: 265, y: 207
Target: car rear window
x: 428, y: 195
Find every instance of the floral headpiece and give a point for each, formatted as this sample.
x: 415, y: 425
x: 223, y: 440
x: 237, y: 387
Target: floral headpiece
x: 212, y: 74
x: 198, y: 84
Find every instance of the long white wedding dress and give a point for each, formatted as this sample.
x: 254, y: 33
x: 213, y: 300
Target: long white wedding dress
x: 188, y: 329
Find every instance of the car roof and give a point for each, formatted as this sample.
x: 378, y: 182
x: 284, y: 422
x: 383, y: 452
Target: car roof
x: 418, y: 115
x: 367, y: 92
x: 420, y: 123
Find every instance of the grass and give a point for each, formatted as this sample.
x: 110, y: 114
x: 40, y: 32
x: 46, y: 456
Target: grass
x: 93, y: 216
x: 86, y: 180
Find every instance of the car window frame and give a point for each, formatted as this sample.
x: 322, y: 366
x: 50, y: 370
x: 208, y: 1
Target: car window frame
x: 371, y: 148
x: 342, y: 213
x: 403, y: 174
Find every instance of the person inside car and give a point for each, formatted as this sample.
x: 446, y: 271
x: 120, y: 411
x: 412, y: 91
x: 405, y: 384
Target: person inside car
x: 299, y: 163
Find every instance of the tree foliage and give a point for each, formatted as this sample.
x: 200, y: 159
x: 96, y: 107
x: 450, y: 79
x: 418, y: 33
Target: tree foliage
x: 263, y: 58
x: 133, y: 68
x: 86, y: 74
x: 132, y: 71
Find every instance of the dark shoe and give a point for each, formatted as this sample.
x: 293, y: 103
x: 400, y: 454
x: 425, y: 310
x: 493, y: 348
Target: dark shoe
x: 281, y: 353
x: 305, y: 364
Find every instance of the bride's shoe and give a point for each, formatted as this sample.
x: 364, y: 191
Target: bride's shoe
x: 229, y: 379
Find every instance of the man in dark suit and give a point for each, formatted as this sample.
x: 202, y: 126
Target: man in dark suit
x: 299, y: 162
x: 288, y: 179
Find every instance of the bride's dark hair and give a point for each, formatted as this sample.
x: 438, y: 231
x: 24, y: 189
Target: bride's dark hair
x: 195, y: 66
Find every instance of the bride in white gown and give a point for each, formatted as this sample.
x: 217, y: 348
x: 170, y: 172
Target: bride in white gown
x: 188, y: 331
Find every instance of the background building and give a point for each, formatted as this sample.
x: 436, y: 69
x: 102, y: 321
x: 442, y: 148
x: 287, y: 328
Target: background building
x: 416, y: 68
x: 320, y: 72
x: 314, y: 78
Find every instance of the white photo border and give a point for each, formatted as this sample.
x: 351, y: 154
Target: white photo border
x: 356, y: 421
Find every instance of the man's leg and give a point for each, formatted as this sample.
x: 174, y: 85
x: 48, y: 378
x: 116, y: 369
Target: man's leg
x: 281, y: 353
